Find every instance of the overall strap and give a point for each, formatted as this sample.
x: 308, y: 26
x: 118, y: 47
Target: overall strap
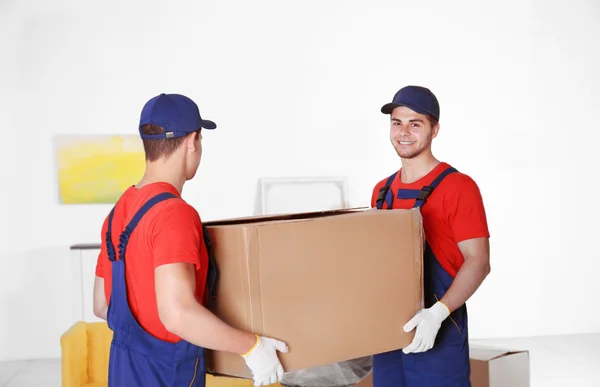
x: 385, y: 195
x: 212, y: 275
x: 126, y: 234
x: 124, y: 237
x: 426, y: 190
x: 110, y: 248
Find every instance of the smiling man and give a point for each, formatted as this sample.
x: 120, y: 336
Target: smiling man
x: 456, y: 259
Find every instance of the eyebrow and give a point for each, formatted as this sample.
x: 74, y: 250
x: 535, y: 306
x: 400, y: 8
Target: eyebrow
x: 413, y: 120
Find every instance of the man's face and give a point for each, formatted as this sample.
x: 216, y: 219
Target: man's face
x: 411, y: 132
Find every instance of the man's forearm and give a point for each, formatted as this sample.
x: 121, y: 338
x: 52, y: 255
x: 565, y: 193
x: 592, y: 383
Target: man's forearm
x: 181, y: 314
x: 199, y: 326
x: 100, y: 306
x: 103, y: 313
x: 467, y: 281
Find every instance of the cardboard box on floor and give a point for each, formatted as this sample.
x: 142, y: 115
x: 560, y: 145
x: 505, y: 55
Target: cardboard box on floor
x: 491, y: 367
x: 495, y: 367
x: 333, y: 285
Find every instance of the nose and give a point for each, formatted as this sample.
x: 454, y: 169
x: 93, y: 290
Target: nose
x: 404, y: 130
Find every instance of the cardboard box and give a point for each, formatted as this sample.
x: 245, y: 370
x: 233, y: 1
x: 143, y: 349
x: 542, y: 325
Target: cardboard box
x: 494, y: 367
x: 334, y: 285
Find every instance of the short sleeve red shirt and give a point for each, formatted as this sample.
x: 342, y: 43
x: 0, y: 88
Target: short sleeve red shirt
x: 454, y: 212
x: 171, y: 232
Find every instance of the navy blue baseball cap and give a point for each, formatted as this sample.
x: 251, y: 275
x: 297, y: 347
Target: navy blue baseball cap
x: 176, y: 113
x: 417, y: 98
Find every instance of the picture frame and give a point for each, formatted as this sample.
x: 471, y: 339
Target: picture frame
x: 97, y: 168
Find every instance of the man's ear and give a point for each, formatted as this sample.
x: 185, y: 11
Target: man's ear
x: 190, y: 141
x: 435, y: 130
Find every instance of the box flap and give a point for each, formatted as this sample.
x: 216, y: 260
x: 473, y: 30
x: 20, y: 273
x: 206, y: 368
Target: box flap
x: 487, y: 353
x: 282, y: 217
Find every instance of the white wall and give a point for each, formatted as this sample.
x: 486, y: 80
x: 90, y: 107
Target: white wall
x: 296, y: 88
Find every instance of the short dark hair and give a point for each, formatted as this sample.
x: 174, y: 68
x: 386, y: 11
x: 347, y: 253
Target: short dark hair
x: 432, y: 121
x: 157, y: 148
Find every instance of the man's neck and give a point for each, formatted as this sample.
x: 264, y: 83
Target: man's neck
x: 164, y: 173
x: 414, y: 169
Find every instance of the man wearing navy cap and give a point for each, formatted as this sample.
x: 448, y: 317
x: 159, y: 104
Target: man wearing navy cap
x: 155, y: 274
x: 456, y: 259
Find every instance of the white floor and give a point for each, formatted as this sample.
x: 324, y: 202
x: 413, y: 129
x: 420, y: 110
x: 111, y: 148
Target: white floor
x: 558, y: 361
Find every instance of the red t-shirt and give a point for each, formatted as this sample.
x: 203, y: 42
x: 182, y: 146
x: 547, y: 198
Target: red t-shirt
x: 454, y: 212
x: 170, y: 232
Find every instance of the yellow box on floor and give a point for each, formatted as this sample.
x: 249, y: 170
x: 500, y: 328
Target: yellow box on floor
x: 85, y: 350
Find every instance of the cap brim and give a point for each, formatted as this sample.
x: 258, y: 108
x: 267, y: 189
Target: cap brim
x: 389, y: 107
x: 207, y: 124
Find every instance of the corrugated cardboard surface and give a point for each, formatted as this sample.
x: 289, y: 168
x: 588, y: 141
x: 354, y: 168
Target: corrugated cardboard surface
x: 334, y: 286
x: 494, y: 367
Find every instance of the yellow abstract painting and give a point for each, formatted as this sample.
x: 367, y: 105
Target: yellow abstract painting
x: 97, y: 169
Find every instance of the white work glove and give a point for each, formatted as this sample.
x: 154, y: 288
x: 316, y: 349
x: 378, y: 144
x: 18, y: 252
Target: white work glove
x: 428, y: 322
x: 263, y: 362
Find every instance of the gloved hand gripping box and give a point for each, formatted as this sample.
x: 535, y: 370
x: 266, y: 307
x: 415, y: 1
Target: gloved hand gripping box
x: 334, y: 285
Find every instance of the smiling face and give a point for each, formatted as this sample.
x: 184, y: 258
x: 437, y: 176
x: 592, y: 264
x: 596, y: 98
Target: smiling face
x: 411, y: 133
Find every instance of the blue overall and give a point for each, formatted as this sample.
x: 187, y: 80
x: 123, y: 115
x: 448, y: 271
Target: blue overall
x: 137, y: 358
x: 447, y: 363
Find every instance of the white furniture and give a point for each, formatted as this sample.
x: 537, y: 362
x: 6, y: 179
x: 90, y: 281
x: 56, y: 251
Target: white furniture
x: 302, y: 194
x: 84, y: 257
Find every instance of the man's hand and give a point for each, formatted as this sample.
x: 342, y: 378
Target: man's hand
x: 263, y: 362
x: 428, y: 323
